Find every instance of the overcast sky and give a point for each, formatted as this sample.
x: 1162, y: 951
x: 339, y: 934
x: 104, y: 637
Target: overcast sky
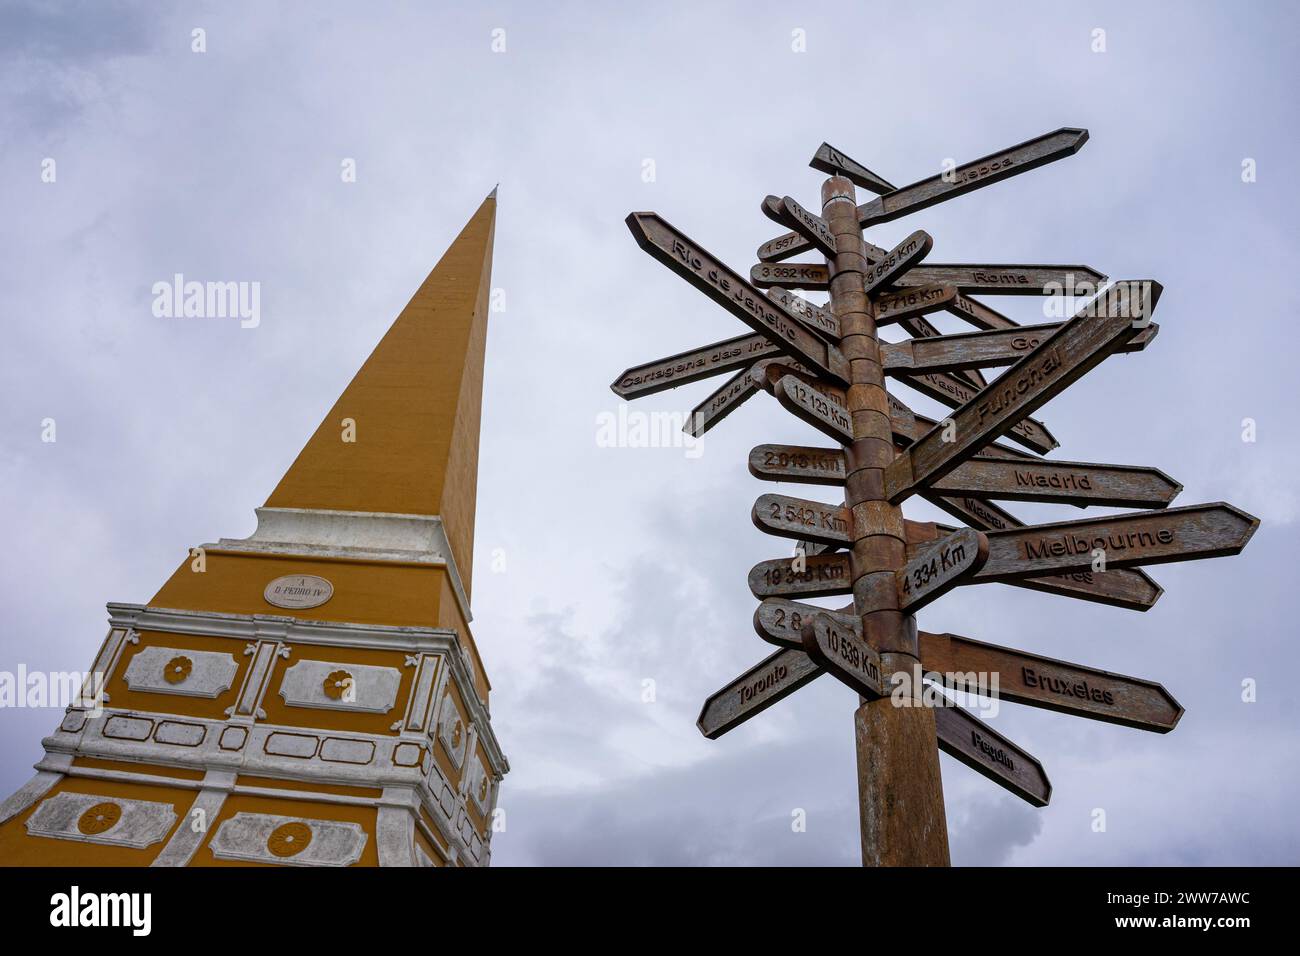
x: 623, y: 565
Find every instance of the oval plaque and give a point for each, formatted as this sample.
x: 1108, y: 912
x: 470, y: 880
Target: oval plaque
x: 298, y: 591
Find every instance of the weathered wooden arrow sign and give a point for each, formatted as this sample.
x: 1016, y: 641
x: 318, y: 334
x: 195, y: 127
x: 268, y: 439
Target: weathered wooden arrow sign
x: 825, y: 466
x: 1131, y: 589
x: 993, y: 279
x: 1116, y: 315
x: 1123, y: 541
x: 1012, y: 279
x: 918, y: 326
x: 772, y: 679
x: 1070, y: 482
x: 964, y: 736
x: 844, y: 653
x: 816, y: 317
x: 947, y: 185
x: 799, y: 463
x: 708, y: 274
x: 779, y: 621
x: 729, y: 396
x: 796, y: 275
x: 978, y: 314
x: 907, y: 425
x: 897, y: 261
x: 830, y: 160
x: 1025, y: 678
x: 939, y: 568
x: 967, y: 665
x: 809, y: 225
x: 769, y: 372
x: 947, y: 389
x: 909, y: 303
x: 971, y: 350
x: 693, y: 365
x: 797, y: 518
x: 814, y: 407
x: 822, y: 574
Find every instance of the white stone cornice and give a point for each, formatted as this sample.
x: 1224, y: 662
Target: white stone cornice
x: 361, y: 535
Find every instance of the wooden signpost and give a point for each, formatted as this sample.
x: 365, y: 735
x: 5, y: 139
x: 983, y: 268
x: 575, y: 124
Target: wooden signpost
x: 826, y: 365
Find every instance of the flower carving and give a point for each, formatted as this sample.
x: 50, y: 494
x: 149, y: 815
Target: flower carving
x: 100, y: 817
x: 338, y: 683
x: 178, y: 669
x: 289, y: 839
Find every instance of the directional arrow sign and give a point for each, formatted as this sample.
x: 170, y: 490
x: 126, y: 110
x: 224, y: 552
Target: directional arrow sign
x: 729, y: 396
x: 1012, y: 279
x: 1102, y: 325
x: 918, y: 326
x: 830, y: 160
x: 781, y: 622
x: 1131, y: 589
x: 894, y: 307
x: 799, y: 463
x: 947, y: 389
x: 822, y: 574
x: 817, y: 318
x: 772, y: 679
x: 662, y: 241
x: 769, y: 372
x: 947, y: 185
x: 1145, y: 537
x: 789, y: 517
x: 939, y: 568
x: 814, y: 407
x: 1071, y: 482
x: 809, y: 225
x: 897, y: 261
x: 976, y: 313
x: 798, y: 275
x: 1025, y: 678
x: 909, y: 427
x: 844, y: 653
x: 984, y: 750
x: 693, y: 365
x: 970, y: 350
x: 994, y: 279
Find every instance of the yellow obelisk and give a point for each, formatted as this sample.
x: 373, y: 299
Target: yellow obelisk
x: 310, y: 695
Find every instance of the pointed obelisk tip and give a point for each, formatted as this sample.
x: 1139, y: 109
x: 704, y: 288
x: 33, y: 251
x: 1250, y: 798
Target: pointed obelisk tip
x: 493, y: 193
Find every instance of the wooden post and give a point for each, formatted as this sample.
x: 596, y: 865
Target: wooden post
x: 899, y: 787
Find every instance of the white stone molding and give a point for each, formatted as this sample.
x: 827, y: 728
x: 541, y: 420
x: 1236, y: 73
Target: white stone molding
x: 362, y: 688
x: 106, y: 662
x: 48, y: 773
x: 174, y: 670
x: 395, y: 827
x: 185, y: 842
x: 247, y: 837
x: 256, y: 680
x: 421, y: 701
x: 130, y: 823
x: 361, y: 535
